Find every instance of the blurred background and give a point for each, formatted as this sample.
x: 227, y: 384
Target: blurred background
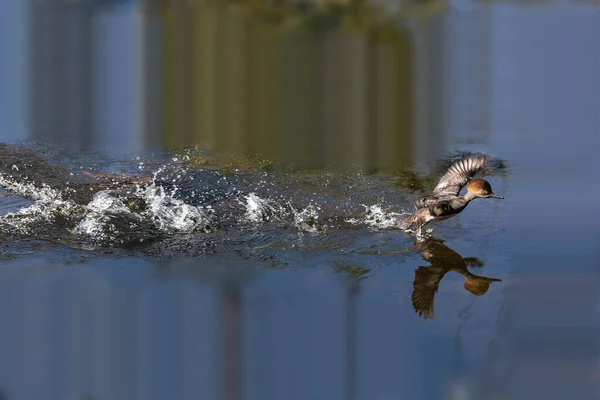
x: 393, y: 81
x: 259, y: 309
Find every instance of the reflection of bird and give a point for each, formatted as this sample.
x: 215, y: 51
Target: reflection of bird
x: 444, y: 202
x: 443, y: 259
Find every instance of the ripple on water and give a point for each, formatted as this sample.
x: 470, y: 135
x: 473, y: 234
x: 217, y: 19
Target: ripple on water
x: 11, y: 204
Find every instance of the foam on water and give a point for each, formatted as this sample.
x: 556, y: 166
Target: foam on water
x: 97, y: 222
x: 307, y: 219
x: 106, y: 200
x: 28, y: 189
x: 258, y: 209
x: 108, y: 218
x: 376, y: 217
x: 267, y: 210
x: 178, y: 201
x: 48, y: 205
x: 173, y: 215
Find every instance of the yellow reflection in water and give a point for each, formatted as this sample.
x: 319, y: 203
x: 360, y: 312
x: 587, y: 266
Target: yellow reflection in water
x: 327, y: 86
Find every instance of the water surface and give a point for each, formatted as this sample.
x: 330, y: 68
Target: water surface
x: 249, y: 278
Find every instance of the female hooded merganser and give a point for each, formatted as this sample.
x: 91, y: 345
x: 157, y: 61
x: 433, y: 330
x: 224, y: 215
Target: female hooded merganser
x: 444, y: 202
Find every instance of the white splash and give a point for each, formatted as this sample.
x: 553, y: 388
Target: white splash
x: 376, y: 217
x: 258, y: 209
x: 48, y: 204
x: 106, y: 200
x: 29, y: 190
x: 307, y: 219
x: 170, y: 214
x: 96, y: 223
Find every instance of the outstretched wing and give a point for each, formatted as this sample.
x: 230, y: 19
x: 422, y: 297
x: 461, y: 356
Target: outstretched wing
x: 426, y: 283
x: 458, y: 175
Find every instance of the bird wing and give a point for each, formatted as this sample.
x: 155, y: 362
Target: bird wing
x: 426, y: 283
x: 458, y: 175
x: 473, y: 262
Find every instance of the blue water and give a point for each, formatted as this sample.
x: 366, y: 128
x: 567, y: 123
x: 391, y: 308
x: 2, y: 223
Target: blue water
x: 320, y: 307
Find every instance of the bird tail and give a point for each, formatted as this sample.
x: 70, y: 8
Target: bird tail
x: 406, y: 223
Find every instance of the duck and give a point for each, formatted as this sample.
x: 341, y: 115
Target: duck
x: 444, y: 202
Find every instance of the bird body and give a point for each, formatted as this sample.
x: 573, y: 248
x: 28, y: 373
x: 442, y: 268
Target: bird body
x: 444, y: 201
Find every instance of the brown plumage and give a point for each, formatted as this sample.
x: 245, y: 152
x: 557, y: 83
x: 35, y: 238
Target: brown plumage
x: 444, y: 201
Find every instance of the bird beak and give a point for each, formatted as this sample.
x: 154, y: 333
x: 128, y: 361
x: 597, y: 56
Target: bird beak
x: 495, y: 196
